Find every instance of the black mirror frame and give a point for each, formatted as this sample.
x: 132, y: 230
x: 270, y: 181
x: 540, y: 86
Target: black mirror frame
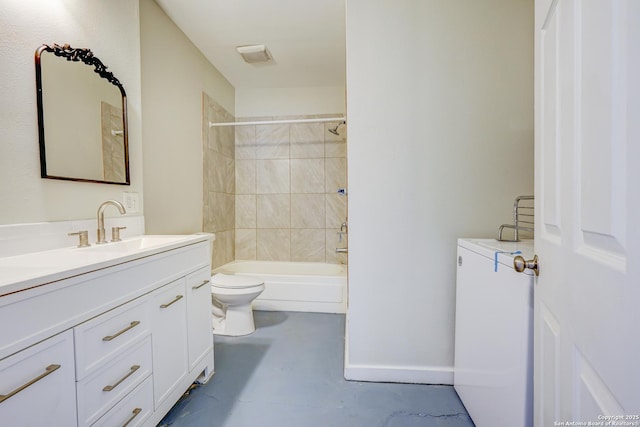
x: 87, y: 57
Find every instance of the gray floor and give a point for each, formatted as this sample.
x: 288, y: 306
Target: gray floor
x: 289, y: 373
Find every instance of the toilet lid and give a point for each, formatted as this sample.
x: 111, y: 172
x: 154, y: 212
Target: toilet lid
x: 235, y: 281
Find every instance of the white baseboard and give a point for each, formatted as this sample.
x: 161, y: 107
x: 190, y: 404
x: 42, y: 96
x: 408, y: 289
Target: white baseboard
x: 400, y: 374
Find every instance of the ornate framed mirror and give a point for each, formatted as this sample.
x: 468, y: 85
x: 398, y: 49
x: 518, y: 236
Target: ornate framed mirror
x: 82, y: 117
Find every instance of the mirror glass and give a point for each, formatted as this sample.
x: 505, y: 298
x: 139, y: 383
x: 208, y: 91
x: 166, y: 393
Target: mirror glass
x: 81, y: 117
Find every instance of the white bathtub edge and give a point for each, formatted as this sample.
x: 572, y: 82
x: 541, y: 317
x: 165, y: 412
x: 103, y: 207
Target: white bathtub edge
x: 302, y: 306
x: 316, y: 293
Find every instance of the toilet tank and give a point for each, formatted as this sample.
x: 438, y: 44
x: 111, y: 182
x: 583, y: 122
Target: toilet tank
x: 493, y: 372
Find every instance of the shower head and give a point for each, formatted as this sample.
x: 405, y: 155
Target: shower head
x: 335, y: 129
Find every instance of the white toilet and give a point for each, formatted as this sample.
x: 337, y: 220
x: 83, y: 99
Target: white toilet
x: 233, y: 295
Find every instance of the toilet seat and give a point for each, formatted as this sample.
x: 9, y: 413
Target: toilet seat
x: 233, y: 281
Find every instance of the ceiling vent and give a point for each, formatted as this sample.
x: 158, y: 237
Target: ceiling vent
x: 254, y: 53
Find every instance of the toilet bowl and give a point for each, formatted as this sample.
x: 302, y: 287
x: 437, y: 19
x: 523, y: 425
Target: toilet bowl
x: 231, y: 303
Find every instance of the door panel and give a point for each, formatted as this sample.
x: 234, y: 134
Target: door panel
x: 587, y: 296
x: 549, y: 174
x: 548, y: 354
x: 594, y: 398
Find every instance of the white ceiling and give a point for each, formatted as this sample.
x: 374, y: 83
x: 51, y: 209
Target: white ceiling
x: 305, y: 37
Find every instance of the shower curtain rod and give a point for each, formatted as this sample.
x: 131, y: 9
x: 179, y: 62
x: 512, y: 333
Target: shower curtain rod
x: 277, y: 122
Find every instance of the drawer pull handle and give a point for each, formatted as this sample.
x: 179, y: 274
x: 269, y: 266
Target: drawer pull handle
x: 48, y: 370
x: 176, y: 299
x: 117, y: 334
x: 135, y: 414
x: 111, y: 387
x: 201, y: 284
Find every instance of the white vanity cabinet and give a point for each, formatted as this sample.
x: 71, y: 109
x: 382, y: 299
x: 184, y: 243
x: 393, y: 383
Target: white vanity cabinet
x: 37, y: 385
x: 123, y: 335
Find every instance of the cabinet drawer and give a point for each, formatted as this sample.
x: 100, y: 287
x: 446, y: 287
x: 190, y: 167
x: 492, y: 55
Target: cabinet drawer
x: 38, y: 385
x: 133, y: 410
x: 101, y: 390
x: 99, y: 339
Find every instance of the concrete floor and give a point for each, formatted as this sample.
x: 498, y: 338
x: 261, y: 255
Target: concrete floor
x: 289, y: 373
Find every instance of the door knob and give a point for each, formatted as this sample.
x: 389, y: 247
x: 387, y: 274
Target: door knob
x: 520, y: 264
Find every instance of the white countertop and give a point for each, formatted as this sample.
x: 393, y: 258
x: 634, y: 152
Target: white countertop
x: 21, y: 272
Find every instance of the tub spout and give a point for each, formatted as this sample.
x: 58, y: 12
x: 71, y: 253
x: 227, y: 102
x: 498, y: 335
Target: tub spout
x: 341, y: 250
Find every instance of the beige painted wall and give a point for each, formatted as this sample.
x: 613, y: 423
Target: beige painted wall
x: 174, y: 75
x: 440, y: 107
x: 111, y: 31
x: 289, y: 101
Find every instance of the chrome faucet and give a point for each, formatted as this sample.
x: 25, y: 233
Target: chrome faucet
x: 101, y: 208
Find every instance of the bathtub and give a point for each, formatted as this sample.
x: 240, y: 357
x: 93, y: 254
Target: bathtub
x: 295, y: 286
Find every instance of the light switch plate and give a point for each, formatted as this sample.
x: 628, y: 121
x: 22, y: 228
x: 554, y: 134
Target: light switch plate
x: 131, y: 202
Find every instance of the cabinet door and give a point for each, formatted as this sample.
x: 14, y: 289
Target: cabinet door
x: 170, y: 358
x: 37, y: 385
x: 199, y: 315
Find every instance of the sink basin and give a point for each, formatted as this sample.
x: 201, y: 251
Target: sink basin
x: 136, y: 244
x: 54, y: 258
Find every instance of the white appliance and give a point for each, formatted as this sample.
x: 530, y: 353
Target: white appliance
x: 494, y: 333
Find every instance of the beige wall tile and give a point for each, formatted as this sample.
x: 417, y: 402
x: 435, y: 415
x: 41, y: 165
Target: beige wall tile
x: 336, y: 210
x: 274, y: 210
x: 307, y: 140
x: 285, y: 198
x: 245, y: 142
x: 246, y: 211
x: 335, y: 174
x: 272, y: 176
x: 308, y: 245
x: 207, y: 217
x: 273, y: 244
x: 227, y: 136
x: 222, y: 139
x: 219, y: 181
x: 307, y: 175
x: 246, y: 243
x: 221, y: 211
x: 245, y: 177
x: 214, y: 141
x: 219, y: 171
x: 335, y: 146
x: 308, y: 211
x: 272, y: 141
x: 223, y: 248
x: 332, y: 239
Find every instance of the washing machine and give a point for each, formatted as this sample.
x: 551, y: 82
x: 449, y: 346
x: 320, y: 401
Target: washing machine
x: 493, y: 373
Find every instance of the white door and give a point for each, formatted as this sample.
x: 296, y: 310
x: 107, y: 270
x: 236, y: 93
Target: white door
x: 587, y: 297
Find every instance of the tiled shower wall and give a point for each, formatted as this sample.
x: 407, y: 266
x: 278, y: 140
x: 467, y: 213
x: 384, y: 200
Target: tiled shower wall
x: 286, y: 206
x: 219, y: 181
